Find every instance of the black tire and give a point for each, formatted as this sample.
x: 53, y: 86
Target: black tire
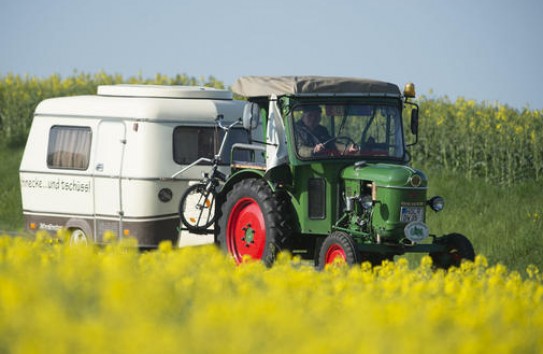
x: 197, y: 208
x: 341, y: 245
x: 458, y: 248
x: 254, y: 222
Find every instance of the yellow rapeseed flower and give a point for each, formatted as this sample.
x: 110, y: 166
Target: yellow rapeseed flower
x: 196, y: 300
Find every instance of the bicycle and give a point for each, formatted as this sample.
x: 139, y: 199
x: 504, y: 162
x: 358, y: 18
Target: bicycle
x: 197, y: 204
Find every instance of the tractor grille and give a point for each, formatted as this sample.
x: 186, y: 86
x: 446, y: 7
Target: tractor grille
x: 316, y: 188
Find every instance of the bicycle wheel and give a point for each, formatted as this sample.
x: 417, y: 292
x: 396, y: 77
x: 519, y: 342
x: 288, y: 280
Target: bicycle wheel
x: 197, y: 208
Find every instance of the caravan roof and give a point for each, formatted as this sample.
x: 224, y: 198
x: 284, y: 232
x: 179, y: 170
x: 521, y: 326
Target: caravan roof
x: 163, y: 91
x: 142, y: 102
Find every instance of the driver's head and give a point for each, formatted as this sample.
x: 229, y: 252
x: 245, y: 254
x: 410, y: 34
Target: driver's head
x: 311, y: 116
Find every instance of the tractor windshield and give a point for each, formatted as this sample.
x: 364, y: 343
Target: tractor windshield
x: 347, y: 130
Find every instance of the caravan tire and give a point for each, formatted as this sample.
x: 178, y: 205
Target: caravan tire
x: 79, y: 237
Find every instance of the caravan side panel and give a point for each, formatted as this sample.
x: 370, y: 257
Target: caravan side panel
x: 55, y: 181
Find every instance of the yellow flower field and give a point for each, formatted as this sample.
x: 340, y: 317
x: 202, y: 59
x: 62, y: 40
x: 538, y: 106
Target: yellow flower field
x: 60, y: 299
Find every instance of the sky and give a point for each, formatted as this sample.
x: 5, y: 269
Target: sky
x: 487, y: 50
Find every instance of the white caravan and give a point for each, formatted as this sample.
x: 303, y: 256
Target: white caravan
x: 109, y: 162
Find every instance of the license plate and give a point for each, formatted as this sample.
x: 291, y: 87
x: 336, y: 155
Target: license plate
x: 410, y: 214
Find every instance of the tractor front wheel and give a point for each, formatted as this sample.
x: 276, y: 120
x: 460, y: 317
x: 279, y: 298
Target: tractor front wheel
x: 457, y: 248
x: 338, y: 246
x: 254, y: 222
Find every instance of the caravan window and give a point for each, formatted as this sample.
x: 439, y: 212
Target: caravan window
x: 69, y: 147
x: 191, y: 143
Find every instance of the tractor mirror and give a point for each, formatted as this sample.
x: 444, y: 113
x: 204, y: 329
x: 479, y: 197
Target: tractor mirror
x: 414, y: 121
x: 251, y: 116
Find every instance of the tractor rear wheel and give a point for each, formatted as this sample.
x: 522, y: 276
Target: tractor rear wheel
x: 338, y: 246
x: 457, y: 248
x: 254, y: 222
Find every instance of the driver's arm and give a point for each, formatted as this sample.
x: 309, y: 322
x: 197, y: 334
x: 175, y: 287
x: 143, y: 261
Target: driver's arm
x: 305, y: 151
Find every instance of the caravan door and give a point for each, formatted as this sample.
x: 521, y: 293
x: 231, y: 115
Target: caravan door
x: 108, y: 172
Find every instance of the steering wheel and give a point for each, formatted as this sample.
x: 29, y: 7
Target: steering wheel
x: 345, y: 140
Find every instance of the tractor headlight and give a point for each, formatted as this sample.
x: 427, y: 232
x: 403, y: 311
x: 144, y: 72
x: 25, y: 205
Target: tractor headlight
x: 437, y: 203
x: 366, y: 201
x: 349, y: 203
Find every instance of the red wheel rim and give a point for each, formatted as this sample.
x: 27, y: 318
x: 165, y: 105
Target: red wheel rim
x: 456, y: 257
x: 246, y: 230
x: 333, y: 252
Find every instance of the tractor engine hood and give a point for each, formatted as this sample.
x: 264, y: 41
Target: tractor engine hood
x: 397, y: 198
x: 386, y: 175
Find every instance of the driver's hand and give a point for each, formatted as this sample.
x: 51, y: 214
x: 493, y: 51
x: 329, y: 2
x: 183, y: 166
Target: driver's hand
x: 318, y: 148
x: 353, y: 148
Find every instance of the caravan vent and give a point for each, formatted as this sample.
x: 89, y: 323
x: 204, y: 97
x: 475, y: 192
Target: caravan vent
x: 158, y: 91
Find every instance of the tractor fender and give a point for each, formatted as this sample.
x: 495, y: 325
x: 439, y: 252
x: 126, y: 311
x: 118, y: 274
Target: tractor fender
x: 241, y: 175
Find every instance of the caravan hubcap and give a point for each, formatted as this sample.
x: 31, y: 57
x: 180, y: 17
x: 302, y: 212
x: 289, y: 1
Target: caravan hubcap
x: 78, y: 237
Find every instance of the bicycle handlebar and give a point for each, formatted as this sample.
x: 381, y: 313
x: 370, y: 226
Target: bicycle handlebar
x: 228, y: 127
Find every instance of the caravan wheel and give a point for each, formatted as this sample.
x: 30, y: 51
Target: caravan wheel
x: 79, y: 237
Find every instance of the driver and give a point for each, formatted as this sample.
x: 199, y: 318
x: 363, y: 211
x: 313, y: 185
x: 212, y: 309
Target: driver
x: 311, y: 137
x: 310, y: 134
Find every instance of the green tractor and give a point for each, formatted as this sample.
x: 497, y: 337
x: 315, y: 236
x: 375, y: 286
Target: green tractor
x: 325, y: 175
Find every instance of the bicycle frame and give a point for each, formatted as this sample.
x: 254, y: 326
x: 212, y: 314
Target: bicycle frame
x: 205, y: 190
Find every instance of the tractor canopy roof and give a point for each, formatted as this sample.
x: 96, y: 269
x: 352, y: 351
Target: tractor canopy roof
x: 265, y: 86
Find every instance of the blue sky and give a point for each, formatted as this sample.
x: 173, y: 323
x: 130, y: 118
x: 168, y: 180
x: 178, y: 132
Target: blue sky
x: 487, y: 50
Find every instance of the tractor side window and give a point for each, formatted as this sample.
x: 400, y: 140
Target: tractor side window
x: 69, y: 147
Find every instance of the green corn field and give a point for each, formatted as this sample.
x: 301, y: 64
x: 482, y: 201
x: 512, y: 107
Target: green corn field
x: 493, y: 141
